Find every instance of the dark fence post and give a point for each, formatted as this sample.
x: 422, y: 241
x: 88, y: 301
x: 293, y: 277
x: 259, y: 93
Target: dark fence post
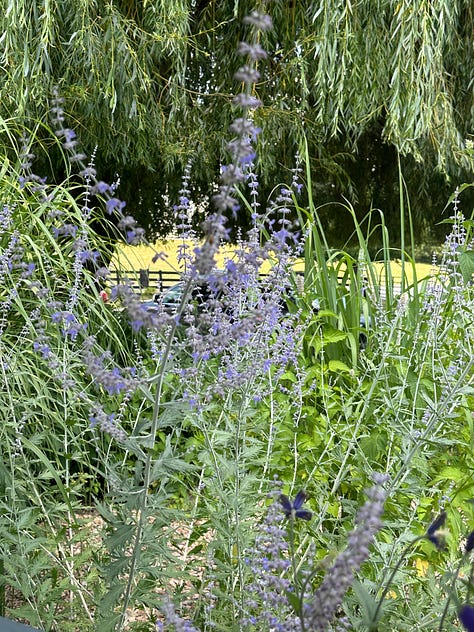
x: 144, y: 277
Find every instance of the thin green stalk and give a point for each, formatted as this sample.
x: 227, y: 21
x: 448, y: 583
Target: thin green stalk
x: 402, y: 222
x: 3, y: 489
x: 451, y: 592
x: 373, y: 620
x: 159, y: 381
x: 428, y: 432
x: 2, y: 589
x: 271, y: 432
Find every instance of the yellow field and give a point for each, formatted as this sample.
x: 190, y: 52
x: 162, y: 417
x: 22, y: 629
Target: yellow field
x: 141, y: 258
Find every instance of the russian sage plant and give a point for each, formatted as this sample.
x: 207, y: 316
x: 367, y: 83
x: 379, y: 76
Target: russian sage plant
x: 204, y: 373
x: 172, y: 423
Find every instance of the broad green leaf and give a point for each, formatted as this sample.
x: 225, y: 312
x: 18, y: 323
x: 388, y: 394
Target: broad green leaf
x: 466, y: 263
x: 331, y: 335
x: 338, y: 367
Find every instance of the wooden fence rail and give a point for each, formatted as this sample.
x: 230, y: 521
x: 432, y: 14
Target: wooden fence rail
x: 144, y: 279
x: 158, y: 280
x: 138, y: 280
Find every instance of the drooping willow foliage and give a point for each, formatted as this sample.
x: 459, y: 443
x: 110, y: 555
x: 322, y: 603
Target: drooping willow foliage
x: 150, y: 82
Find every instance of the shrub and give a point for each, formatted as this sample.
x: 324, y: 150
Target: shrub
x: 174, y: 425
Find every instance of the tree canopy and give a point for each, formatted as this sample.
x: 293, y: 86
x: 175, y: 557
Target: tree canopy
x: 150, y: 83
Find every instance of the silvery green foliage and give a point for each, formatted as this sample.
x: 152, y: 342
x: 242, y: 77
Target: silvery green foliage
x: 338, y: 579
x: 267, y: 606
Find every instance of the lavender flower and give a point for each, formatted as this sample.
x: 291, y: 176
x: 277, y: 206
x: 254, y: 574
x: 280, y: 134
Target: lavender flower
x: 184, y: 212
x: 246, y: 74
x: 107, y: 424
x: 71, y: 327
x: 6, y: 217
x: 139, y: 316
x: 113, y: 380
x: 174, y: 620
x: 254, y: 51
x: 65, y: 230
x: 261, y: 21
x: 268, y: 606
x: 102, y: 273
x: 101, y: 188
x: 88, y: 173
x: 114, y: 204
x: 240, y: 148
x: 135, y: 236
x: 26, y: 161
x: 205, y: 255
x: 296, y: 185
x: 244, y: 100
x: 339, y: 578
x: 42, y: 348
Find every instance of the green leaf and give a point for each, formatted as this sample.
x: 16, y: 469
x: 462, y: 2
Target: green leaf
x: 338, y: 367
x: 293, y: 600
x: 331, y: 335
x: 167, y: 464
x: 450, y: 473
x: 368, y: 604
x: 466, y: 263
x: 107, y: 617
x: 326, y: 313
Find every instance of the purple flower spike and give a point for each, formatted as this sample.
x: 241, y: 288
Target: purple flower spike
x: 466, y: 616
x: 262, y: 21
x: 294, y: 509
x: 114, y: 204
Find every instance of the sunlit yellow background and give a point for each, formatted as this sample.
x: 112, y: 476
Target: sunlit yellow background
x: 141, y: 258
